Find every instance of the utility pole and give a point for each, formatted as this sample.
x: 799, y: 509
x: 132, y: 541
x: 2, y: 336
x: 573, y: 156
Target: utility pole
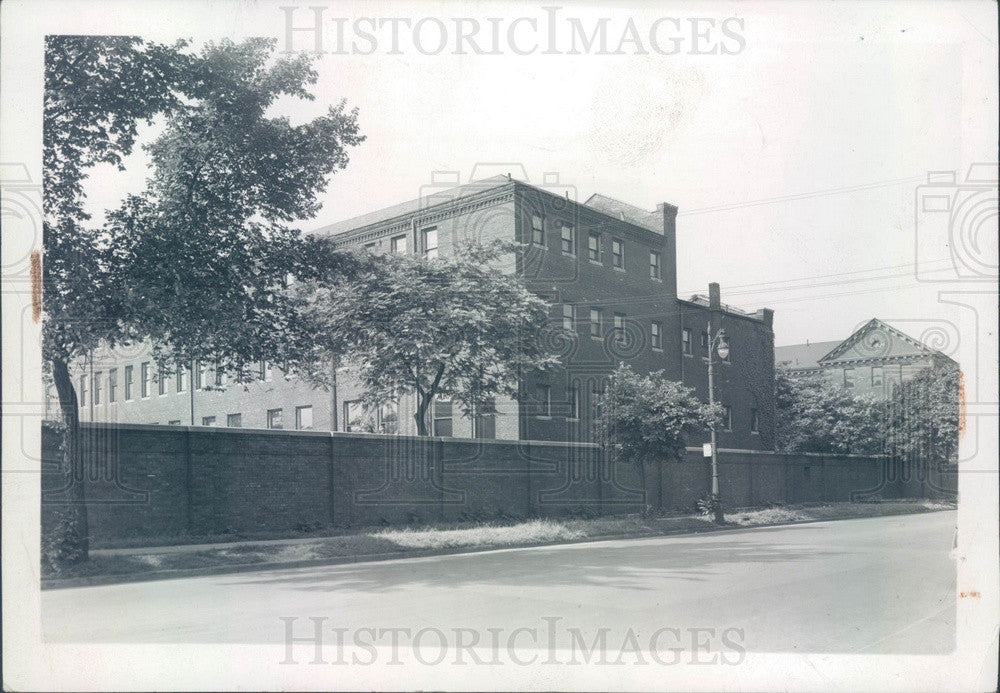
x: 716, y: 499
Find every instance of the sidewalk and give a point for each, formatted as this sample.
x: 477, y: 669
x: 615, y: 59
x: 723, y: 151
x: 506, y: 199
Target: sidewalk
x: 160, y: 562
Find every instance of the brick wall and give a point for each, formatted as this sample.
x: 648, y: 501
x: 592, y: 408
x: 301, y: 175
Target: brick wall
x: 156, y: 481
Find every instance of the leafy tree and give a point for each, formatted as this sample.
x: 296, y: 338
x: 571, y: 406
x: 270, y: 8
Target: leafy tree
x: 645, y: 419
x: 814, y: 415
x: 198, y: 262
x: 453, y: 326
x: 924, y: 415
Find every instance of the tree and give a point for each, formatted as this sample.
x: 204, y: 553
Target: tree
x: 451, y: 326
x: 198, y: 263
x: 814, y: 415
x: 924, y: 419
x: 645, y: 419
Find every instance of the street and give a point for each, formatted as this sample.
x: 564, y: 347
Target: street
x: 879, y: 585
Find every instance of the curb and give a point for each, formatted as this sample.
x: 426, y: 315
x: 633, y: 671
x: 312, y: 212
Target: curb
x: 178, y: 573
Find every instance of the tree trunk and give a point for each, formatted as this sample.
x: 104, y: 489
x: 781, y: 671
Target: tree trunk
x: 420, y: 416
x: 76, y: 539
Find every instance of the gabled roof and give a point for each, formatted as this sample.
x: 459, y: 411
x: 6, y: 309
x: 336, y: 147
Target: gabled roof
x: 876, y: 338
x: 803, y: 355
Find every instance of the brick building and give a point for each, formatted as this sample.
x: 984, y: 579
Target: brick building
x: 609, y: 270
x: 872, y: 360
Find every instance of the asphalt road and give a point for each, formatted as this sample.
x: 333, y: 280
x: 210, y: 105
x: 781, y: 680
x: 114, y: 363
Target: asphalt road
x: 880, y: 585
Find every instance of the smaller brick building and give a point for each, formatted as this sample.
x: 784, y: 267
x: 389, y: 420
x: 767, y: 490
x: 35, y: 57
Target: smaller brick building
x: 873, y: 359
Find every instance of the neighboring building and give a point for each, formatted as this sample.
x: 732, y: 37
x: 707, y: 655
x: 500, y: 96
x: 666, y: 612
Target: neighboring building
x: 609, y: 270
x: 872, y: 360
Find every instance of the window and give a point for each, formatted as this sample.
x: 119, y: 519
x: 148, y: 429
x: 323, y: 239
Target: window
x: 208, y: 421
x: 485, y: 422
x: 727, y: 417
x: 656, y: 335
x: 573, y: 398
x: 265, y: 371
x: 144, y: 375
x: 303, y: 418
x: 594, y: 247
x: 181, y: 377
x: 353, y: 415
x: 371, y: 246
x: 234, y: 420
x: 112, y: 385
x: 569, y: 317
x: 568, y: 240
x: 398, y: 244
x: 175, y: 422
x: 97, y: 387
x: 686, y: 341
x: 442, y: 423
x: 161, y: 381
x: 849, y: 378
x: 620, y: 326
x: 596, y: 393
x: 128, y: 383
x: 595, y: 323
x: 274, y: 418
x: 654, y: 265
x: 617, y: 253
x: 83, y: 390
x: 537, y: 230
x: 704, y: 340
x: 199, y: 375
x: 754, y: 421
x: 220, y: 376
x: 430, y: 237
x: 388, y: 418
x: 878, y: 376
x: 544, y: 396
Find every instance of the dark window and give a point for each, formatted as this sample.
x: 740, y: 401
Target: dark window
x: 443, y: 417
x: 544, y: 396
x: 199, y: 375
x: 398, y: 244
x: 618, y: 253
x: 430, y: 237
x: 371, y: 246
x: 161, y: 381
x: 654, y: 265
x: 97, y: 387
x: 112, y: 384
x: 568, y: 240
x: 83, y: 390
x: 208, y: 421
x: 303, y: 418
x: 537, y: 230
x: 595, y: 323
x: 727, y: 417
x: 128, y: 382
x: 754, y: 421
x: 181, y: 377
x: 573, y: 398
x: 274, y: 418
x: 704, y: 340
x: 878, y: 376
x: 145, y: 375
x: 656, y: 335
x: 849, y: 379
x: 620, y: 326
x: 234, y: 420
x: 569, y: 317
x: 594, y: 247
x: 485, y: 422
x: 220, y: 376
x: 175, y: 422
x: 686, y: 341
x: 388, y: 418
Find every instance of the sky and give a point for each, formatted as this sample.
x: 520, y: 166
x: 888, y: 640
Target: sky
x: 796, y: 152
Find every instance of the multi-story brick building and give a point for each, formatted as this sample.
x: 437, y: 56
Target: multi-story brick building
x: 609, y: 271
x: 872, y: 360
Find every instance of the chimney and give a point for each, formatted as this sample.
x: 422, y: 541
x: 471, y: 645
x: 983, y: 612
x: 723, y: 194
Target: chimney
x: 714, y: 296
x: 668, y: 213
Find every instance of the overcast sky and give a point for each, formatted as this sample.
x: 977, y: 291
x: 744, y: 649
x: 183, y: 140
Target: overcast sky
x: 796, y: 155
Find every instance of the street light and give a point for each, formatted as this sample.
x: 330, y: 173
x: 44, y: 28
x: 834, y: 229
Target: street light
x: 717, y: 343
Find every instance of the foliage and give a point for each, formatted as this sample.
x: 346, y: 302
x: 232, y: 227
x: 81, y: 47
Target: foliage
x: 645, y: 418
x: 814, y: 415
x: 924, y: 416
x: 454, y: 326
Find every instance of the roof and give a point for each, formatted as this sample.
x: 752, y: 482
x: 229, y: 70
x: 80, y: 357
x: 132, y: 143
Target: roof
x: 804, y: 355
x: 626, y: 212
x: 433, y: 197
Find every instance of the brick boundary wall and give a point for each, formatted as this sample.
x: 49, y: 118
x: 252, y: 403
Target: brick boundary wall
x: 147, y: 481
